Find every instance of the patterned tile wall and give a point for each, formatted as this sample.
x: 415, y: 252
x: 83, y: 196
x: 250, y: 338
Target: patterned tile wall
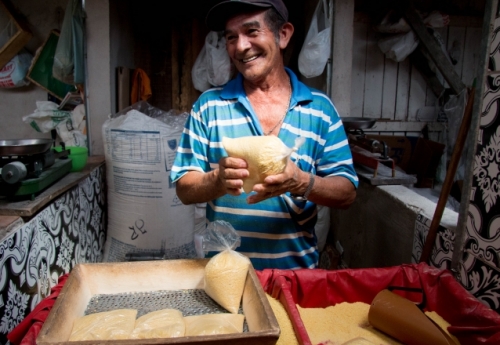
x: 69, y: 231
x: 479, y: 270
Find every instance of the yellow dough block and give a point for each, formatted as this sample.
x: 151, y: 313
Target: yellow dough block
x: 210, y: 324
x: 165, y: 323
x: 115, y: 324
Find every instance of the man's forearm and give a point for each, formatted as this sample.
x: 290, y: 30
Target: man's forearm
x: 333, y: 191
x: 195, y: 187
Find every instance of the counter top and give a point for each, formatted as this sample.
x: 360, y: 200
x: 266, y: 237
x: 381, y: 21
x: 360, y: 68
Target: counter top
x: 28, y: 208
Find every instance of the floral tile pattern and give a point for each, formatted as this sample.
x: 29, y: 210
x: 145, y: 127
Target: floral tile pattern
x: 479, y: 268
x: 69, y: 231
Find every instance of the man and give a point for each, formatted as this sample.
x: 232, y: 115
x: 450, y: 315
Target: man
x: 276, y: 221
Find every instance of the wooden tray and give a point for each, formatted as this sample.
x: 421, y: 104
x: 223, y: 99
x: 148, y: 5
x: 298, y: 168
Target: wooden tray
x: 88, y: 280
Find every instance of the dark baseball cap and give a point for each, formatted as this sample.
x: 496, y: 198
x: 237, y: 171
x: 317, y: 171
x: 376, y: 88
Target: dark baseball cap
x: 220, y: 13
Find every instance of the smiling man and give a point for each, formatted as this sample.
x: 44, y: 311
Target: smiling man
x: 276, y: 221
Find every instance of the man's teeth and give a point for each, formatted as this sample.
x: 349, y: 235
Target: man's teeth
x: 249, y: 59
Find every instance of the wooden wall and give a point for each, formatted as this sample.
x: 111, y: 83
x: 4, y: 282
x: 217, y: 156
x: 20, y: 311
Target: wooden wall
x: 385, y: 89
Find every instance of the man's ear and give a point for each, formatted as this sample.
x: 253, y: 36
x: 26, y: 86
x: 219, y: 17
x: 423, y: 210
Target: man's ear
x: 286, y: 33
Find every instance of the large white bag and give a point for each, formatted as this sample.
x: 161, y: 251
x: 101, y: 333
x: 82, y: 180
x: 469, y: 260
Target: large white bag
x: 317, y: 45
x: 146, y: 219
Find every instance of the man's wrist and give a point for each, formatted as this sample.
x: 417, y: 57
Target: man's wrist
x: 308, y: 190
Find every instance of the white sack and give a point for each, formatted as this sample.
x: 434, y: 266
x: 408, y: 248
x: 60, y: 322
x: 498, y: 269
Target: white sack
x: 144, y: 213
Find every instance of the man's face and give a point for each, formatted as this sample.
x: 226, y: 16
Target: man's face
x: 252, y: 46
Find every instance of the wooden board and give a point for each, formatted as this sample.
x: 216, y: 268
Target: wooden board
x: 19, y: 38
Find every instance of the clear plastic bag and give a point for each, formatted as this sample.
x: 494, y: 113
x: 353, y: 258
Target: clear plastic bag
x: 68, y: 57
x: 226, y: 272
x: 317, y: 45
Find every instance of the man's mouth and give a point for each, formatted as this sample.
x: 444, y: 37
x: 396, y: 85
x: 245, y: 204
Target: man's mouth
x: 250, y: 59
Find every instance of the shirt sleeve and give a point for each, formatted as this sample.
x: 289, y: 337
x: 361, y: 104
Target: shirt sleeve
x: 193, y: 146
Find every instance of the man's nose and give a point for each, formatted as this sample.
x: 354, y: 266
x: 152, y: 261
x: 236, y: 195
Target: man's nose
x: 242, y: 43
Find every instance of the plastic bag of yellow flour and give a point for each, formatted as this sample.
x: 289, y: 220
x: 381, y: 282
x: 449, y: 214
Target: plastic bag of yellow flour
x: 265, y: 156
x: 226, y: 272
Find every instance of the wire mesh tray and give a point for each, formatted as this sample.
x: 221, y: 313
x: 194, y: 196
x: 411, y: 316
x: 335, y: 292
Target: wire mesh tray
x: 154, y: 285
x: 189, y: 302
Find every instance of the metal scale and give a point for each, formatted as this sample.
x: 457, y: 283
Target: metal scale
x: 29, y: 166
x: 365, y: 151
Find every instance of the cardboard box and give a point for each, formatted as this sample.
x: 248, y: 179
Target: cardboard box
x: 88, y: 280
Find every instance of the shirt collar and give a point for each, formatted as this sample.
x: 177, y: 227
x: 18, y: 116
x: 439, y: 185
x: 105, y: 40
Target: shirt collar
x: 300, y: 92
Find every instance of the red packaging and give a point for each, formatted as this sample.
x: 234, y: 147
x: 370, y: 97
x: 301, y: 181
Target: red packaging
x: 471, y: 321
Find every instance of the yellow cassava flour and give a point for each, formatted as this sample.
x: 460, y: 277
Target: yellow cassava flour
x: 108, y: 325
x: 287, y: 334
x: 341, y: 323
x: 165, y: 323
x: 442, y: 323
x: 265, y: 155
x: 225, y: 276
x: 210, y: 324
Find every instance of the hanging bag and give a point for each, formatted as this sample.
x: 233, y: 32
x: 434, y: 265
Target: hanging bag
x: 213, y: 65
x: 316, y: 49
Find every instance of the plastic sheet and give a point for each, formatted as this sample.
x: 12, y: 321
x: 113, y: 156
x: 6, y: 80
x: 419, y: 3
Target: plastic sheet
x: 471, y: 321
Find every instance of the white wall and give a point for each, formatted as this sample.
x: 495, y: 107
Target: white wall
x: 42, y: 16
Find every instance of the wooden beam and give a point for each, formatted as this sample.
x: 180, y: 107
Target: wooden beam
x: 433, y: 48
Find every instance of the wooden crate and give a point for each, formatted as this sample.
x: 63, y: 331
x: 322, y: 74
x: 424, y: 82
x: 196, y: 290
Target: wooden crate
x: 19, y: 39
x: 88, y: 280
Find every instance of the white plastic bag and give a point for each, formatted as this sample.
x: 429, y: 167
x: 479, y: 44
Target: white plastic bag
x: 316, y: 49
x: 46, y: 117
x: 213, y: 65
x: 218, y: 62
x: 199, y: 72
x: 398, y: 47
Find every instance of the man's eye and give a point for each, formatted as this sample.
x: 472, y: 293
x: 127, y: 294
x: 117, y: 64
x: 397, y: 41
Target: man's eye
x: 230, y: 38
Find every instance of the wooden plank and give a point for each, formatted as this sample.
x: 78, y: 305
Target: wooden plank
x: 417, y: 93
x: 341, y: 78
x: 28, y: 208
x: 433, y: 94
x: 358, y: 68
x: 19, y: 38
x: 435, y: 52
x: 389, y: 89
x: 456, y: 42
x: 403, y: 88
x: 372, y: 103
x: 471, y: 55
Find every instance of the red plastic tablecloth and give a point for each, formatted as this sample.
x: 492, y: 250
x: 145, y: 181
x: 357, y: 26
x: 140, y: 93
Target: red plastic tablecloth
x: 471, y: 321
x: 26, y: 332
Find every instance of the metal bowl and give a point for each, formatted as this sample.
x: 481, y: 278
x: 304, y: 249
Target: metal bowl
x: 21, y: 147
x: 351, y: 123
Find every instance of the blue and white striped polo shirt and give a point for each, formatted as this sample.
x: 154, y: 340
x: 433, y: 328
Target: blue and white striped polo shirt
x: 277, y: 232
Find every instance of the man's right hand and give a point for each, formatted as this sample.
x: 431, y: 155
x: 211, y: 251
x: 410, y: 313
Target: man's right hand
x: 232, y: 171
x: 195, y: 186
